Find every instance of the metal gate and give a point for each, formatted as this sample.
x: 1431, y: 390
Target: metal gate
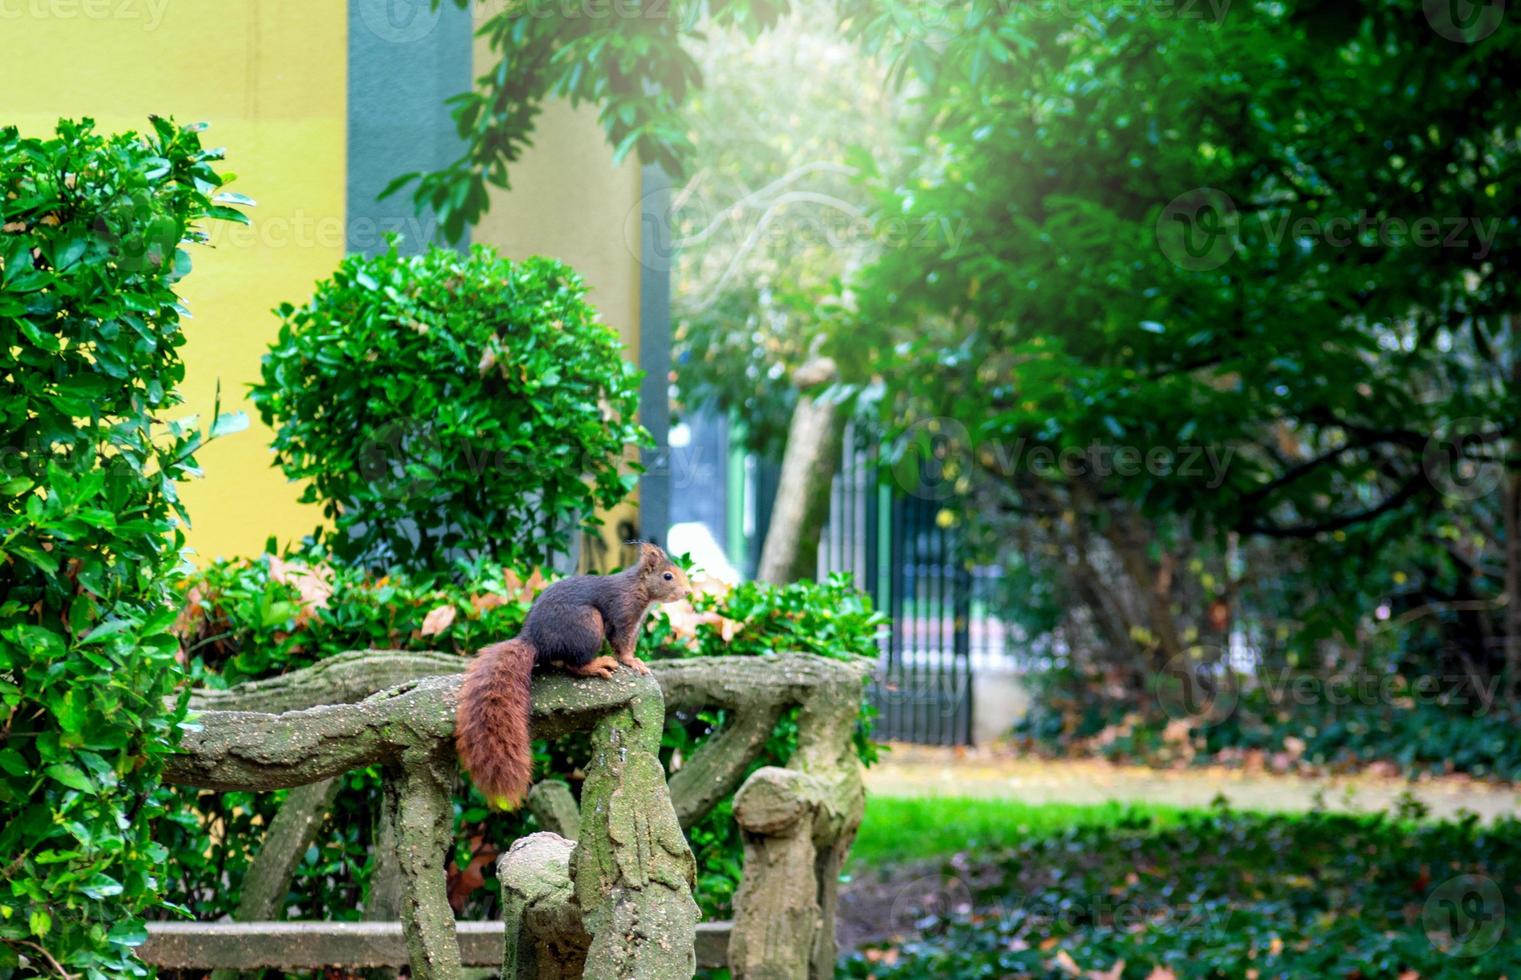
x: 906, y: 553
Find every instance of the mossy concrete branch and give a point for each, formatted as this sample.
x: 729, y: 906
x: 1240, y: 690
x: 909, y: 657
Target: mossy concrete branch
x: 631, y: 874
x: 554, y: 808
x: 632, y: 868
x: 545, y: 937
x: 636, y: 895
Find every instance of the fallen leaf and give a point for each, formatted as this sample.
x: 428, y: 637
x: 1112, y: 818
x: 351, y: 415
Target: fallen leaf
x: 437, y: 621
x: 1113, y: 973
x: 1065, y: 963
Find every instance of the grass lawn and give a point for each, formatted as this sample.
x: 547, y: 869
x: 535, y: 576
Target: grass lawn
x: 902, y: 828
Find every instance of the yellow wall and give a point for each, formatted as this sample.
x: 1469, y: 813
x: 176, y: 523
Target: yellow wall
x: 270, y: 77
x: 568, y: 201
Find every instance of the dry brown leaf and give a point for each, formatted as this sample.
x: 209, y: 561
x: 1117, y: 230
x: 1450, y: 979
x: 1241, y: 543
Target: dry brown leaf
x: 190, y: 615
x: 1178, y: 730
x: 437, y: 621
x: 524, y: 590
x: 1065, y: 963
x: 487, y: 601
x: 1161, y: 973
x: 313, y: 584
x: 462, y: 882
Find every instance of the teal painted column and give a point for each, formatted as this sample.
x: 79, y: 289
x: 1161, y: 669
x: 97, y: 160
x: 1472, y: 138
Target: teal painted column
x: 405, y: 57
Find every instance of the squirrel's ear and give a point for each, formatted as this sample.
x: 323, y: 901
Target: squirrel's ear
x: 650, y: 555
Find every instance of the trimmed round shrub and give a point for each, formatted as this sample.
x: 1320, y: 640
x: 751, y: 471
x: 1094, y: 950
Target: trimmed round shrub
x: 451, y: 406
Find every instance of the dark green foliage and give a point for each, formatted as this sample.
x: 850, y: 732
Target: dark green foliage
x: 1283, y: 235
x: 1219, y: 894
x: 1419, y: 737
x: 257, y: 618
x: 446, y: 406
x: 90, y: 527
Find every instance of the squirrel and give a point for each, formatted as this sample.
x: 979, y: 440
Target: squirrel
x: 566, y: 627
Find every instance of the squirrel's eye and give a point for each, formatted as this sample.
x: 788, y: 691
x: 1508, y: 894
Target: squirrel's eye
x: 669, y: 576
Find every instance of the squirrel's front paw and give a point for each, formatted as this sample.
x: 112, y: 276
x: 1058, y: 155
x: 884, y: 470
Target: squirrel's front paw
x: 599, y: 667
x: 639, y: 666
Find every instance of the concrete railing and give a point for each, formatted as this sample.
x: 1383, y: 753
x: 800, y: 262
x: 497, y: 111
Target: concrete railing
x: 605, y: 893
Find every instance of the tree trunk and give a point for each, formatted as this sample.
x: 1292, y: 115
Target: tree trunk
x: 802, y: 497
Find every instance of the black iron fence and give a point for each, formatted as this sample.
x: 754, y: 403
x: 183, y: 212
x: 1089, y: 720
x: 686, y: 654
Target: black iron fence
x: 908, y: 553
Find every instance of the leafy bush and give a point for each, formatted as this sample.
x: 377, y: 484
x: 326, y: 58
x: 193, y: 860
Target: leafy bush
x: 445, y: 406
x: 89, y: 542
x: 251, y: 619
x: 1220, y: 894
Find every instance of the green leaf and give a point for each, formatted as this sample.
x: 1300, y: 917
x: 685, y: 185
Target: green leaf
x: 71, y: 776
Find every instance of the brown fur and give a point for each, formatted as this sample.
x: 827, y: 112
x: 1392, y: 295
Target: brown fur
x: 567, y: 627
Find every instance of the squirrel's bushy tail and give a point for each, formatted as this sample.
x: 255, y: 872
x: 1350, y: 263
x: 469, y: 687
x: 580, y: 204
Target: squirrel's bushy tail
x: 491, y: 725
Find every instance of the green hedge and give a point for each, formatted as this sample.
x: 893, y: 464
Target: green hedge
x: 255, y: 618
x: 90, y: 528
